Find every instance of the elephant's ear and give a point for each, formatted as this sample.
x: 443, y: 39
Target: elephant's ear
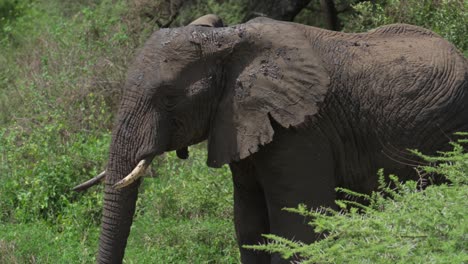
x: 209, y: 20
x: 275, y: 75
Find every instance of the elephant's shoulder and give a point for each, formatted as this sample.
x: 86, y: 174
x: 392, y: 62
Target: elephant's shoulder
x: 269, y: 22
x: 403, y: 29
x: 261, y: 19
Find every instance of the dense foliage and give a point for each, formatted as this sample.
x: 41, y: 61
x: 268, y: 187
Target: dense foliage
x: 401, y: 224
x: 62, y: 66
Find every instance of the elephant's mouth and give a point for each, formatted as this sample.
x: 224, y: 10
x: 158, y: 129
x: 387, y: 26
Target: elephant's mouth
x: 142, y: 166
x: 136, y: 173
x: 182, y: 153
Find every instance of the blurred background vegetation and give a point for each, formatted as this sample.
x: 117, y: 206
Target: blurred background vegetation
x: 62, y: 66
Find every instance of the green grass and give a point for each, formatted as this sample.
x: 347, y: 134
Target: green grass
x: 39, y: 242
x: 183, y: 216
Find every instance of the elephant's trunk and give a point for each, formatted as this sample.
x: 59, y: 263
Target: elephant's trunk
x: 118, y: 207
x: 134, y: 143
x: 117, y: 217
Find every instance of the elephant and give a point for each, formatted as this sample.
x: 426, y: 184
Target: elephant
x: 294, y: 111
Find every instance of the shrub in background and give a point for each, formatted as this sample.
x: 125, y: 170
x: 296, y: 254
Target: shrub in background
x: 59, y: 79
x: 40, y: 163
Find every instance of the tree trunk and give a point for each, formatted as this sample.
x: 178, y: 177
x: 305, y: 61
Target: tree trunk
x: 284, y: 10
x: 330, y: 15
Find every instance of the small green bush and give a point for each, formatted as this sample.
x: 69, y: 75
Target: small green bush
x: 41, y: 162
x: 10, y: 10
x: 401, y: 224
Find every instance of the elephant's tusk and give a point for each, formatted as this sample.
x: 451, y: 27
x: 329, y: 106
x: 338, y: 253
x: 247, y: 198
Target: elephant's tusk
x: 89, y: 183
x: 134, y: 175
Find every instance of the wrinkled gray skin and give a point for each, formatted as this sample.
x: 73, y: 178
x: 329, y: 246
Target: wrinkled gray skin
x: 294, y: 110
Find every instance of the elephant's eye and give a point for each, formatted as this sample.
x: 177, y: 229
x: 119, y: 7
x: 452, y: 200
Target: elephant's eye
x: 170, y: 101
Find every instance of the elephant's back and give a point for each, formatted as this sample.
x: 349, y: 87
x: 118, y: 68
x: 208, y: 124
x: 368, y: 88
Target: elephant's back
x: 408, y: 82
x: 402, y: 29
x: 408, y: 67
x: 414, y: 50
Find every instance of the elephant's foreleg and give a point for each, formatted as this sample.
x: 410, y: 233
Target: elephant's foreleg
x: 296, y: 168
x: 250, y: 212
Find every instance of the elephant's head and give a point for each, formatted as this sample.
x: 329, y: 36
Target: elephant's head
x: 188, y: 84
